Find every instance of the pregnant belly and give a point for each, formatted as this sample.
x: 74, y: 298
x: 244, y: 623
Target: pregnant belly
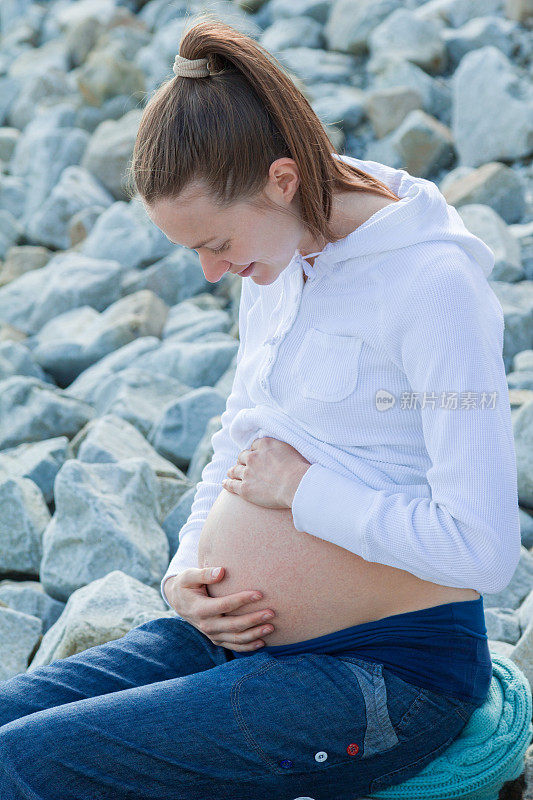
x: 313, y: 586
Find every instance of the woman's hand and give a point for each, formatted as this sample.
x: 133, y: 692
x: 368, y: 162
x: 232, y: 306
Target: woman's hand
x: 268, y: 473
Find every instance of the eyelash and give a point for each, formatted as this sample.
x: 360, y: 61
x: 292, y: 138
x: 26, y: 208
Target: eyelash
x: 221, y: 249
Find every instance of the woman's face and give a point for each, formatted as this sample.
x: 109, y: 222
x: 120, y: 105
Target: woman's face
x: 230, y: 239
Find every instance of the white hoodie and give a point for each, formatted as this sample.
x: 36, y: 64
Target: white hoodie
x: 385, y: 371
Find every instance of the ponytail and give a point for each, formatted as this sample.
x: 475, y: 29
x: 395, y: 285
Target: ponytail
x: 225, y: 130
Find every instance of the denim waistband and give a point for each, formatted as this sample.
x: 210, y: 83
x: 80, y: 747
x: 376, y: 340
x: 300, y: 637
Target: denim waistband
x: 443, y: 648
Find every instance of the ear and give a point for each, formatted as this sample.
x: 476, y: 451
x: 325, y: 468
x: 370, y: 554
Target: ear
x: 284, y: 178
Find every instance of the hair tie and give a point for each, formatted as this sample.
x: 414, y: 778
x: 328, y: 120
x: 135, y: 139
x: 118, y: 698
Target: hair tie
x: 190, y: 67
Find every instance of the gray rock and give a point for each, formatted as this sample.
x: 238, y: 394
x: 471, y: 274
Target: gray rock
x: 38, y: 461
x: 20, y: 634
x: 29, y: 597
x: 76, y: 190
x: 22, y: 259
x: 523, y: 436
x: 52, y: 55
x: 479, y: 32
x: 16, y: 359
x: 423, y: 144
x: 494, y: 184
x: 313, y: 64
x: 24, y: 518
x: 43, y: 151
x: 486, y: 79
x: 82, y: 222
x: 31, y: 411
x: 69, y: 280
x: 520, y: 585
x: 455, y: 13
x: 105, y: 519
x: 137, y: 396
x: 109, y: 151
x: 194, y: 363
x: 110, y: 439
x: 12, y: 193
x: 224, y: 384
x: 408, y: 37
x: 344, y: 105
x: 174, y: 278
x: 521, y: 379
x: 70, y: 343
x: 523, y: 651
x: 123, y: 232
x: 503, y: 648
x: 516, y: 300
x: 519, y: 10
x: 502, y: 624
x: 177, y: 517
x: 394, y: 71
x: 9, y: 90
x: 86, y: 386
x: 487, y: 224
x: 351, y: 23
x: 523, y: 360
x: 102, y: 611
x: 105, y: 74
x: 204, y: 451
x: 43, y: 88
x: 186, y: 322
x: 8, y: 140
x: 158, y: 13
x: 155, y: 58
x: 292, y: 32
x: 525, y: 612
x: 387, y: 108
x: 524, y: 236
x: 10, y: 231
x: 318, y: 10
x: 182, y: 424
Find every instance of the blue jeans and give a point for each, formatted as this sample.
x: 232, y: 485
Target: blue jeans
x: 163, y: 713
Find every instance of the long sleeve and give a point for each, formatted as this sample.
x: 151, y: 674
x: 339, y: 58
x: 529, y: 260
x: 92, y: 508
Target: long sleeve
x: 225, y: 454
x: 444, y: 327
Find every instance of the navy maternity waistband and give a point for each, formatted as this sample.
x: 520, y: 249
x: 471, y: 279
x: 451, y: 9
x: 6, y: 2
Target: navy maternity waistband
x: 443, y: 648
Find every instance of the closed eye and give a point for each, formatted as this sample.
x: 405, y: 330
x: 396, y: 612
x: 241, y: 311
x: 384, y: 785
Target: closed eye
x: 221, y: 249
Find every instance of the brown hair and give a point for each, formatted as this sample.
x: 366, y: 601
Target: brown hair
x: 225, y: 130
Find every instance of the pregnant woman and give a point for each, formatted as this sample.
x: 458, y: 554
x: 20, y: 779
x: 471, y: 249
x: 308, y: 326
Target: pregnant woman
x: 361, y: 494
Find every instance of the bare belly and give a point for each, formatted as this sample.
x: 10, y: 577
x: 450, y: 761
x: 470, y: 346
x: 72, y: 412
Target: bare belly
x: 313, y: 586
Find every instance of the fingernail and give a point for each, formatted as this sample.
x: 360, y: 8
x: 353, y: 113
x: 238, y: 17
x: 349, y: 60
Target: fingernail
x: 215, y: 572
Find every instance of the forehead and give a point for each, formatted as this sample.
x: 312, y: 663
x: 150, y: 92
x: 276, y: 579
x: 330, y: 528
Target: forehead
x: 183, y: 209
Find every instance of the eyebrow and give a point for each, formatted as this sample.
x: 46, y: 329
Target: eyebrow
x: 201, y: 244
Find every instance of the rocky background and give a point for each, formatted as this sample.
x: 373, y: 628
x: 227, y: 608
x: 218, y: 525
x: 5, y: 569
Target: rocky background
x: 117, y: 356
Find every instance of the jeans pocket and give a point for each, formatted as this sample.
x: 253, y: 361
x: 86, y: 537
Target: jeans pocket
x: 380, y: 734
x: 306, y: 714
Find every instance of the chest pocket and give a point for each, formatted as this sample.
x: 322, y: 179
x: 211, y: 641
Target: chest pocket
x: 326, y: 365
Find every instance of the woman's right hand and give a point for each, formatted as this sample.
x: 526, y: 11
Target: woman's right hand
x: 188, y: 596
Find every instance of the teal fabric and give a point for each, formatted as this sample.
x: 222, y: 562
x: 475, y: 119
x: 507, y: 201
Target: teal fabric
x: 489, y: 751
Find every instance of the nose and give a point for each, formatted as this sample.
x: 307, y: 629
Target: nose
x: 213, y: 268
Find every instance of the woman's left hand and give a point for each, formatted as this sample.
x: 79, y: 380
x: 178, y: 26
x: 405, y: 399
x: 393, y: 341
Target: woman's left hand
x: 268, y: 473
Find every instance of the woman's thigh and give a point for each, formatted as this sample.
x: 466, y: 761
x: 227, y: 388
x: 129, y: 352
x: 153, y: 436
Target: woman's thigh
x: 253, y: 728
x: 157, y: 650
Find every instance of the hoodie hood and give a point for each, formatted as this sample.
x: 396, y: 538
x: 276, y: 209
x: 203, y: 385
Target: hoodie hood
x: 421, y: 215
